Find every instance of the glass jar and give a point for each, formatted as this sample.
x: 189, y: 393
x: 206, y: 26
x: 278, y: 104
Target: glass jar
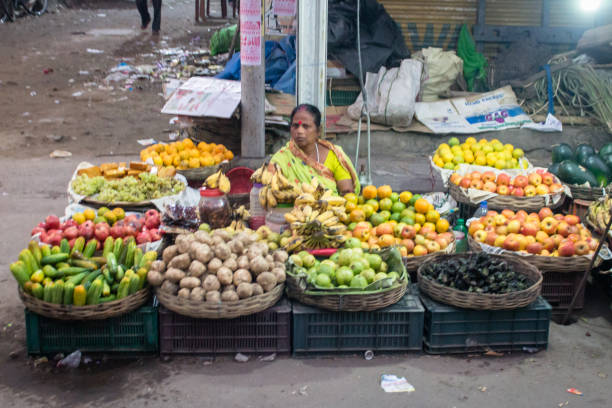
x: 275, y: 218
x: 214, y: 208
x: 255, y: 208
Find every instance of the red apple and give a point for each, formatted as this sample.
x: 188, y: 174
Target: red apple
x: 535, y: 179
x: 549, y: 244
x: 542, y: 189
x: 71, y: 233
x: 530, y: 228
x: 52, y: 222
x: 548, y: 179
x: 503, y: 179
x: 152, y: 213
x: 518, y: 192
x: 572, y: 219
x: 152, y: 221
x: 557, y: 239
x: 455, y: 178
x: 530, y: 191
x: 489, y: 186
x: 511, y: 244
x: 432, y: 246
x: 545, y: 212
x: 500, y: 220
x: 475, y: 175
x: 508, y: 214
x: 555, y: 188
x: 563, y: 229
x: 582, y: 248
x: 408, y: 232
x: 523, y: 241
x: 408, y: 243
x: 488, y: 176
x: 573, y: 237
x: 593, y: 243
x: 501, y: 230
x: 490, y: 238
x: 567, y: 248
x: 520, y: 181
x: 480, y: 235
x: 502, y: 189
x: 86, y: 229
x: 541, y: 236
x: 559, y: 217
x: 55, y: 237
x: 534, y: 248
x: 477, y: 184
x: 475, y: 226
x: 129, y: 230
x: 443, y: 242
x: 465, y: 182
x: 499, y: 241
x: 514, y: 226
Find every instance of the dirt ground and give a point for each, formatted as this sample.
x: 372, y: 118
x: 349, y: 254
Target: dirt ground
x: 39, y: 114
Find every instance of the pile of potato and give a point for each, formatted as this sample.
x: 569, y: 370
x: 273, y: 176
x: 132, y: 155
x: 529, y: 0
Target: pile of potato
x: 218, y: 267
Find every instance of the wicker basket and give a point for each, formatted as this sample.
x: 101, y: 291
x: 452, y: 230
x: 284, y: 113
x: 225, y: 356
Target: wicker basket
x: 502, y: 202
x: 543, y: 263
x: 412, y: 263
x: 349, y: 302
x: 586, y: 193
x: 223, y: 310
x: 483, y: 301
x: 91, y: 312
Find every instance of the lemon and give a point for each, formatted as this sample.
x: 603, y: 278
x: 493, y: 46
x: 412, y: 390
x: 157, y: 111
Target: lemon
x: 458, y: 159
x: 494, y: 141
x: 443, y: 146
x: 509, y: 164
x: 480, y: 160
x: 508, y: 147
x: 498, y: 147
x: 449, y: 166
x: 500, y: 164
x: 506, y: 154
x: 476, y: 147
x: 439, y: 162
x: 468, y: 157
x: 447, y: 157
x: 456, y: 149
x: 491, y: 159
x: 470, y: 141
x: 437, y: 157
x: 487, y: 148
x: 453, y: 141
x: 483, y: 141
x: 518, y: 153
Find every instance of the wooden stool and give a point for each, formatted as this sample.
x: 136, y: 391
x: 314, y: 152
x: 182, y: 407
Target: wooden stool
x: 202, y: 9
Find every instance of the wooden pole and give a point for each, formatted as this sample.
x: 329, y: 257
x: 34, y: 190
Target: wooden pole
x: 252, y: 103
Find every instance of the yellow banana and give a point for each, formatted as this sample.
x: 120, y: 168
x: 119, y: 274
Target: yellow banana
x: 283, y: 182
x: 307, y: 211
x: 224, y: 184
x: 305, y: 199
x: 272, y: 202
x: 307, y: 188
x: 266, y: 176
x: 325, y: 216
x: 331, y: 222
x: 334, y: 201
x: 212, y: 181
x: 256, y: 176
x: 274, y: 182
x: 263, y: 197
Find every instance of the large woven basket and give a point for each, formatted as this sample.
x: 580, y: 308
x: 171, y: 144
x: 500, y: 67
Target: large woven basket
x: 349, y: 302
x: 222, y: 310
x: 483, y: 301
x: 412, y: 263
x: 502, y: 202
x: 543, y: 263
x: 90, y: 312
x: 586, y: 193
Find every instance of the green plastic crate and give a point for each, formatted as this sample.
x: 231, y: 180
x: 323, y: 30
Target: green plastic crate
x: 396, y: 328
x: 135, y: 332
x: 449, y: 329
x: 338, y: 97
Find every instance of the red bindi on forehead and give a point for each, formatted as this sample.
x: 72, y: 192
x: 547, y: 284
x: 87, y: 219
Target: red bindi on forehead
x: 299, y: 122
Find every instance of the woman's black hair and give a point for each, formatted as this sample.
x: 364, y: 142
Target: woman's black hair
x: 313, y: 110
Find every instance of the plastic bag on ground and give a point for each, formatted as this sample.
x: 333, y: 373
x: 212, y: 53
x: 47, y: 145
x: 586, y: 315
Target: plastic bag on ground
x: 221, y: 40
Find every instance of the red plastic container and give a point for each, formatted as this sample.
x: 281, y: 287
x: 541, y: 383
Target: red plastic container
x: 240, y: 179
x: 256, y: 222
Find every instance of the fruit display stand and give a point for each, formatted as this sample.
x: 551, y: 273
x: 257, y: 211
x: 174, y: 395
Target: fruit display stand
x: 397, y: 328
x: 132, y: 333
x: 449, y: 329
x: 268, y: 331
x: 376, y: 295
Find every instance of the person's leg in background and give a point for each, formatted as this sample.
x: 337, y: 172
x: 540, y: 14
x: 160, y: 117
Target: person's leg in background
x: 145, y: 17
x: 156, y: 15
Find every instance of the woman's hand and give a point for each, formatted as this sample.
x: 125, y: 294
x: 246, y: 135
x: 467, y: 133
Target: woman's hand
x: 345, y: 186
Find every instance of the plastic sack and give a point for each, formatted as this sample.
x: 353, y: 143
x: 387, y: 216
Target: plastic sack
x: 440, y: 70
x: 221, y: 40
x: 474, y: 63
x: 391, y: 94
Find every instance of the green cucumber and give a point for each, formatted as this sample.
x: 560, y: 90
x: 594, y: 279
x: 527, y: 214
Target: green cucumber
x: 55, y: 249
x: 53, y: 259
x: 124, y: 288
x: 78, y: 245
x: 94, y: 292
x: 20, y: 272
x: 37, y: 290
x: 111, y: 262
x: 28, y: 259
x: 109, y: 298
x: 48, y: 292
x: 68, y: 293
x: 45, y: 250
x: 106, y: 290
x: 134, y: 284
x: 117, y: 247
x: 90, y: 248
x: 64, y: 246
x: 76, y: 279
x: 75, y: 270
x: 91, y: 276
x: 57, y: 296
x: 52, y: 272
x: 108, y: 246
x: 35, y: 250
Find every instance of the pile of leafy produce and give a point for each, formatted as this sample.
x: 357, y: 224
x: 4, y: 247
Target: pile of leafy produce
x: 479, y: 273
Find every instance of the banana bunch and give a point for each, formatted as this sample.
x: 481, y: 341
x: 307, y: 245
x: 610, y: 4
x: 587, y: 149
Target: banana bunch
x: 240, y: 219
x: 277, y: 188
x: 317, y: 219
x: 599, y: 212
x: 218, y: 180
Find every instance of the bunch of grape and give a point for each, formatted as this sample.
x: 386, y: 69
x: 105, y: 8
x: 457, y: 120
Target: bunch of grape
x: 146, y: 187
x: 87, y: 186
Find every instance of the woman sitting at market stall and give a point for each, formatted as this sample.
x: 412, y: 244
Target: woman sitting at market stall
x: 307, y: 156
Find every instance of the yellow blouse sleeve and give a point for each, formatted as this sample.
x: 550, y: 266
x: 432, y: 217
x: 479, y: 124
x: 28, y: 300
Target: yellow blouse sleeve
x: 332, y: 163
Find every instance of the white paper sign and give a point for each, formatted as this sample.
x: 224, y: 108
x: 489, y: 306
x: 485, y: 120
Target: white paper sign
x: 204, y: 96
x: 250, y: 32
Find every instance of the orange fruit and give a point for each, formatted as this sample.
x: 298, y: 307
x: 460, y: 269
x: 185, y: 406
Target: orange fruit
x: 187, y: 143
x: 350, y: 198
x: 194, y: 163
x: 386, y: 240
x: 405, y: 197
x: 442, y: 225
x: 89, y: 214
x: 158, y: 161
x: 229, y: 155
x: 421, y: 205
x: 419, y: 219
x: 219, y: 157
x: 202, y: 146
x: 432, y: 216
x: 369, y: 192
x: 350, y: 206
x: 220, y: 149
x: 176, y: 160
x: 357, y: 215
x: 184, y: 154
x: 384, y: 191
x: 119, y: 213
x: 374, y: 204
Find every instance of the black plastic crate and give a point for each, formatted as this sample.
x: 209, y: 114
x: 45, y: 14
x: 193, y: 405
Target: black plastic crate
x: 558, y: 289
x: 133, y: 333
x: 449, y: 329
x: 264, y: 332
x: 396, y: 328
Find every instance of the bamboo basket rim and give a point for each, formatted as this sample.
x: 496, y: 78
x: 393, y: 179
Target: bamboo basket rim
x: 88, y: 312
x: 222, y: 310
x: 510, y: 202
x: 411, y: 263
x: 483, y: 301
